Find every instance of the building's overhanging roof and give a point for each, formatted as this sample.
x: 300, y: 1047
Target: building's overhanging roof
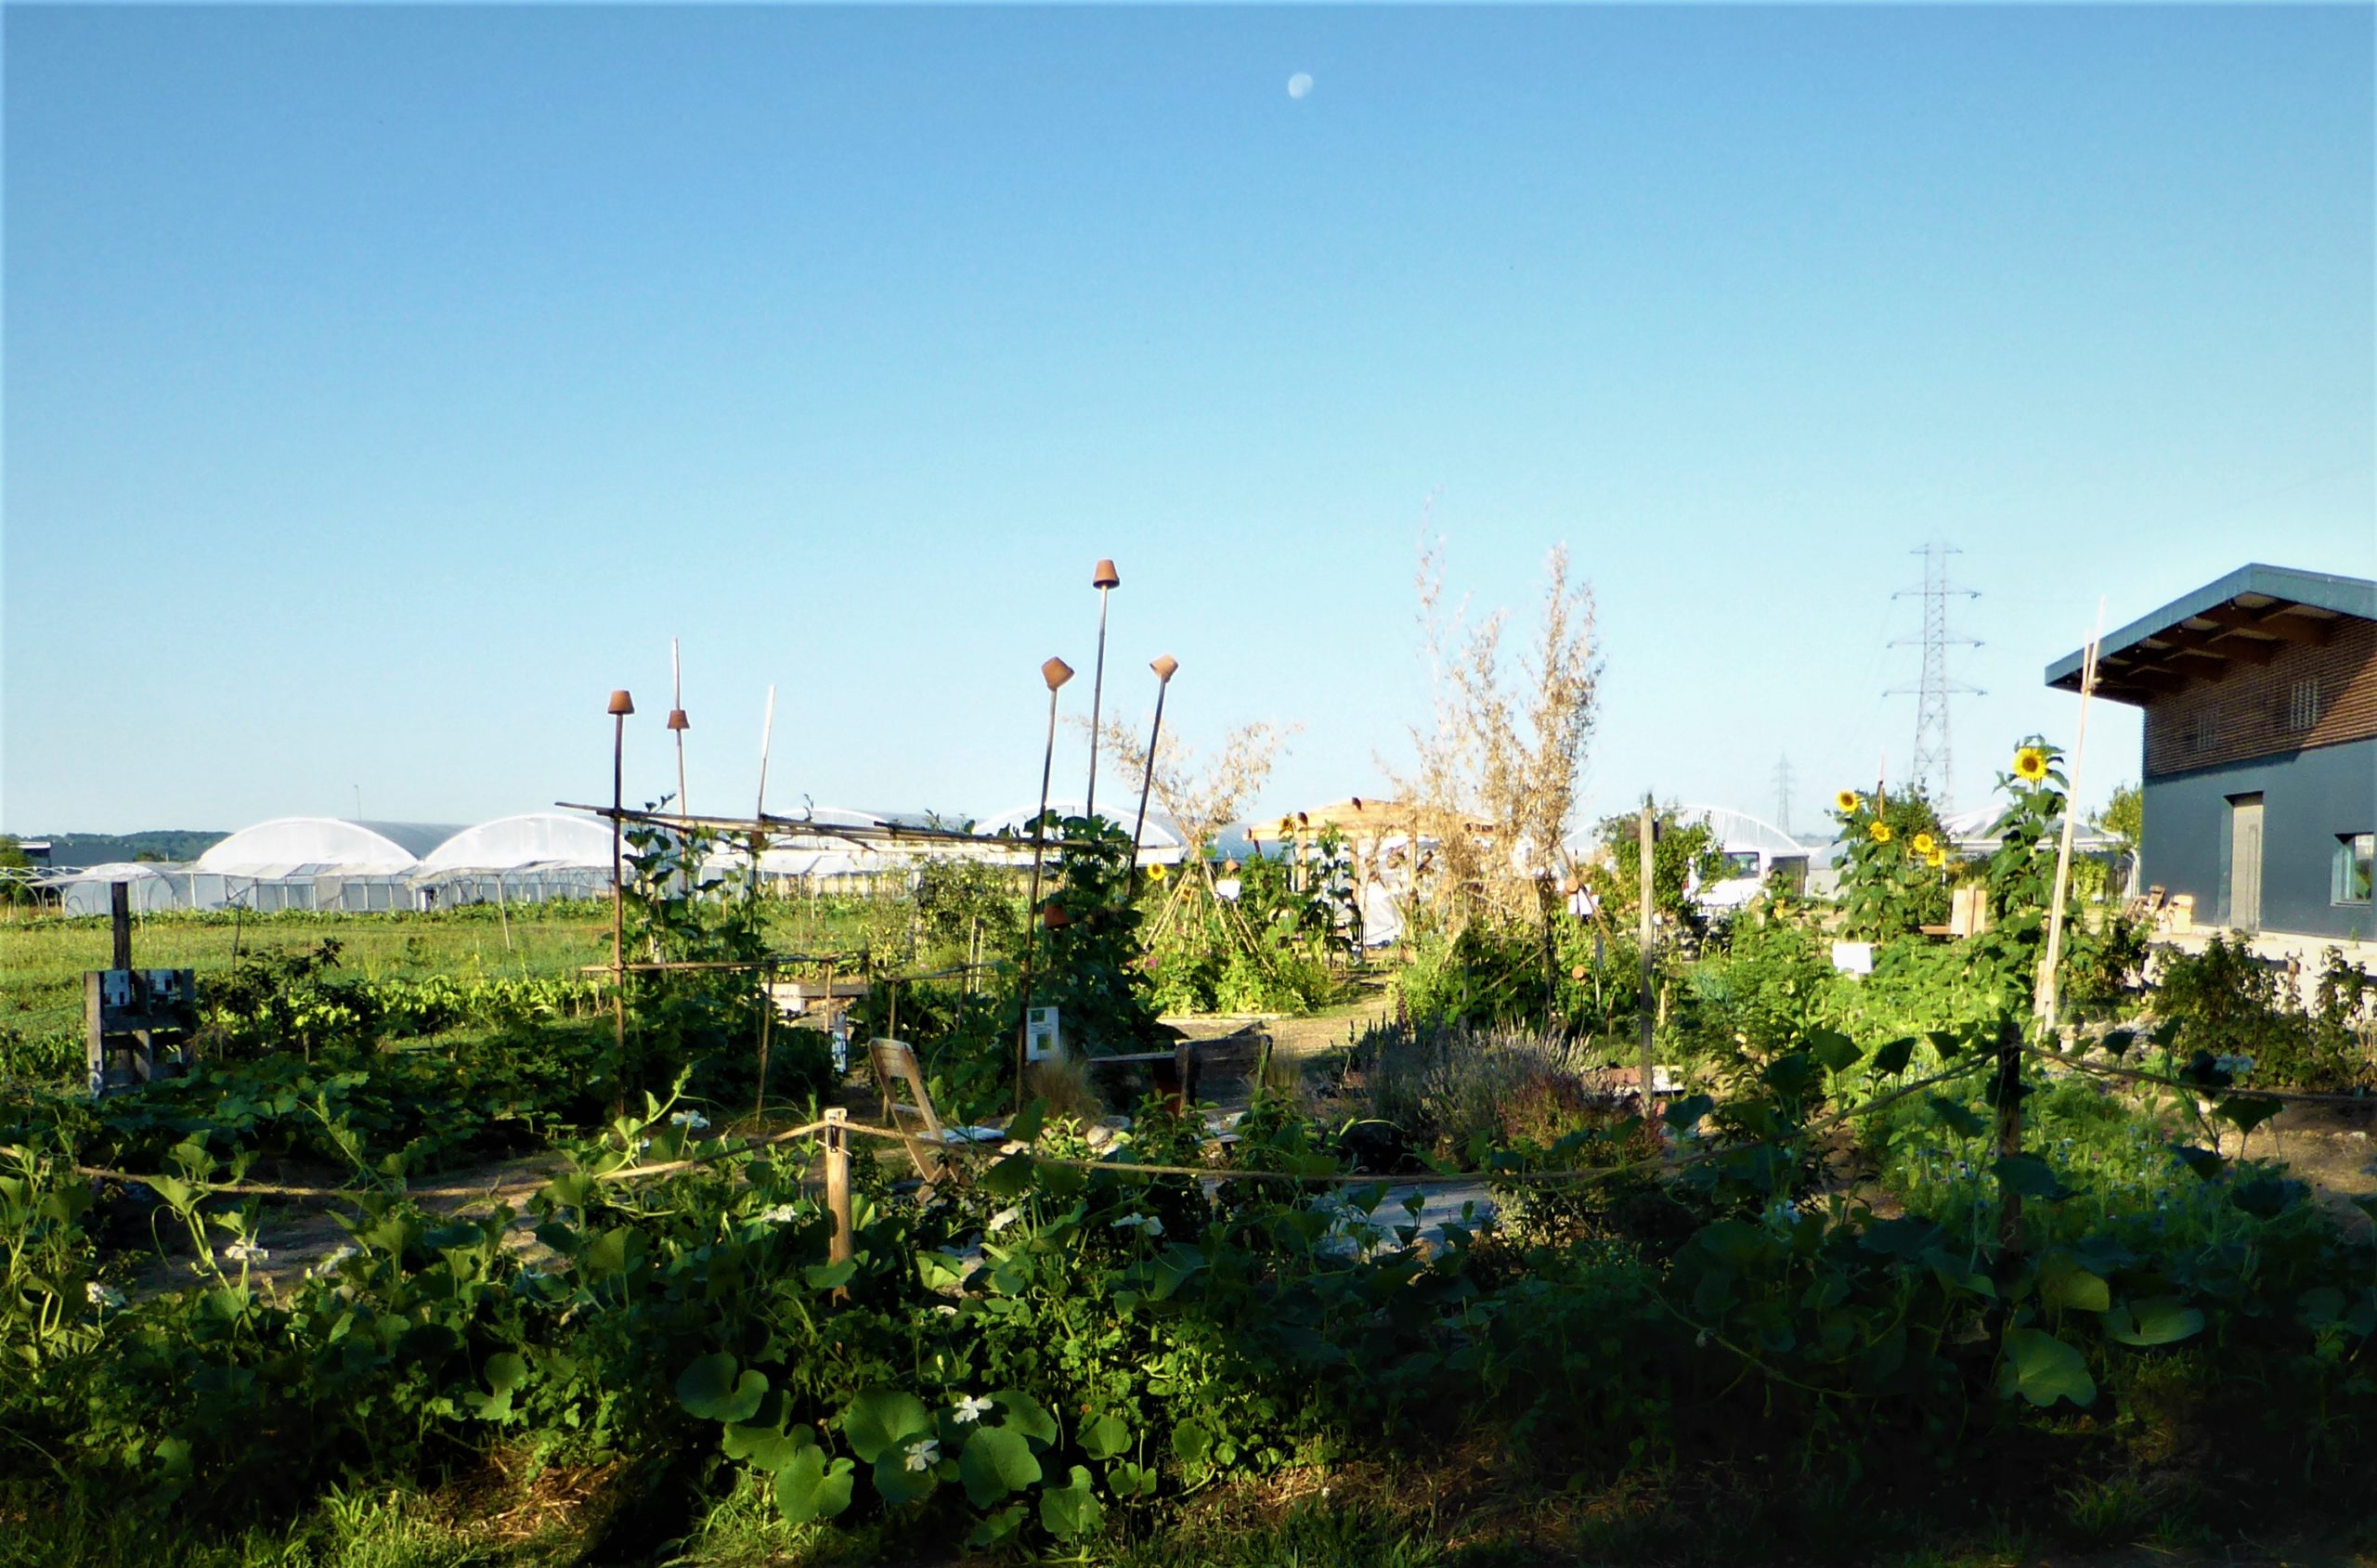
x: 2242, y: 618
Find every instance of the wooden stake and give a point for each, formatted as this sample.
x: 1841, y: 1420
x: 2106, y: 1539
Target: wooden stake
x: 838, y: 1191
x: 618, y: 911
x: 120, y: 925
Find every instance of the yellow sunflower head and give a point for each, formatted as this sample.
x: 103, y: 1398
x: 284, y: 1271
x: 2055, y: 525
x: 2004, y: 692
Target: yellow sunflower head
x: 2030, y: 764
x: 1846, y: 801
x: 1157, y: 873
x: 1881, y: 831
x: 1936, y: 859
x: 1923, y: 844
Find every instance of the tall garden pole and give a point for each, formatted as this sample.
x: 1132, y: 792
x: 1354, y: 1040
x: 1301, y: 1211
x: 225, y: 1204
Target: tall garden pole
x: 1056, y: 672
x: 1645, y: 936
x: 2047, y: 990
x: 1164, y: 665
x: 678, y: 723
x: 620, y: 706
x: 767, y: 739
x: 1105, y: 579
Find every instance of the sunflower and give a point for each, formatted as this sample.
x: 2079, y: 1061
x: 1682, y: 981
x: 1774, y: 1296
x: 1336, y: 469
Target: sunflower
x: 1936, y: 859
x: 1882, y: 832
x: 2030, y: 764
x: 1157, y: 873
x: 1846, y: 801
x: 1923, y: 844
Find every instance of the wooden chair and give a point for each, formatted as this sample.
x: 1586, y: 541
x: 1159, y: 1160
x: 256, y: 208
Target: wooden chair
x: 908, y: 1108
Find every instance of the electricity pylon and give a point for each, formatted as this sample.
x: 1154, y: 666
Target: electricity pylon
x: 1783, y: 794
x: 1932, y: 765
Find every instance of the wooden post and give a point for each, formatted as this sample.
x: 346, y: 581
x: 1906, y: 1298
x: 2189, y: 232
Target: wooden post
x: 1646, y: 935
x: 838, y: 1190
x: 2009, y: 1142
x: 120, y: 924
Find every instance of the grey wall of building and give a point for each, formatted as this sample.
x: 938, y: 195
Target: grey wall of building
x: 2309, y: 798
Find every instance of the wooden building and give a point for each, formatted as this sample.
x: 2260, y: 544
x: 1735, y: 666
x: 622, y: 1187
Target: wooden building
x: 2260, y: 768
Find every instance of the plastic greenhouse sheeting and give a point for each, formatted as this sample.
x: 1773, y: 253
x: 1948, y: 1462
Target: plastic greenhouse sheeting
x: 149, y: 888
x: 535, y: 838
x: 289, y: 847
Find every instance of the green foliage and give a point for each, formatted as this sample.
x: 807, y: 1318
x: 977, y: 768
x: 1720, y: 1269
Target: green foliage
x: 1046, y: 1358
x: 1682, y: 854
x: 2124, y: 817
x: 2228, y: 1006
x: 1090, y: 964
x: 1896, y: 867
x: 1267, y: 950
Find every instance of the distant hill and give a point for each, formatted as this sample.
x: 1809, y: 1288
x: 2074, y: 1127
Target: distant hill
x: 67, y: 850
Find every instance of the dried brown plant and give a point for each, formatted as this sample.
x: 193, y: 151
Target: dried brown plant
x: 1201, y: 794
x: 1494, y: 777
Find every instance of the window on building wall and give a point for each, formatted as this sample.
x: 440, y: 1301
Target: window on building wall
x: 2349, y: 882
x: 2302, y: 711
x: 2202, y: 732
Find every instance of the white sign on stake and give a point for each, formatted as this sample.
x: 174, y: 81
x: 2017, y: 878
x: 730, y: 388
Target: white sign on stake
x: 1042, y: 1042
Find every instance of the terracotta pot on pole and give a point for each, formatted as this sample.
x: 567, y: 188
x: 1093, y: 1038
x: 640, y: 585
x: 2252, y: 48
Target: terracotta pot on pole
x: 1164, y: 667
x: 1105, y: 579
x: 679, y: 724
x: 1056, y: 672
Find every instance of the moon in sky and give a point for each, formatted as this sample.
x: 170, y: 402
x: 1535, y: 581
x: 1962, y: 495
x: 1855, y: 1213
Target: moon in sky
x: 1300, y: 84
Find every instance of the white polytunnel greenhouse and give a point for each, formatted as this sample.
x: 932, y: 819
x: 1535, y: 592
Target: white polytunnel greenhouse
x: 1753, y: 849
x: 149, y: 887
x: 525, y: 859
x: 325, y: 863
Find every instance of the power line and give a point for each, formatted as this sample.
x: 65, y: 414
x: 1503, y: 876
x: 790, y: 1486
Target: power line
x: 1932, y: 767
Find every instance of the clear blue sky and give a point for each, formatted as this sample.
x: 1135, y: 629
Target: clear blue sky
x: 385, y: 386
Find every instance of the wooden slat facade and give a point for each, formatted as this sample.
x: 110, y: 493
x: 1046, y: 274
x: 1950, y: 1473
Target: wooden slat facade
x: 2258, y: 708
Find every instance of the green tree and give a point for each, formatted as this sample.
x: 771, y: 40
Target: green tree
x: 2124, y: 816
x: 13, y: 863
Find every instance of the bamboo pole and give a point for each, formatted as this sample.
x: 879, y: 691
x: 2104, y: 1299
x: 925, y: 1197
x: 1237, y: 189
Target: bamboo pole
x: 2046, y: 993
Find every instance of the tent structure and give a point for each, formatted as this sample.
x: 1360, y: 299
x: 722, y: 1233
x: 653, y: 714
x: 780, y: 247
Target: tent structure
x: 1161, y: 842
x: 529, y: 858
x: 316, y: 863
